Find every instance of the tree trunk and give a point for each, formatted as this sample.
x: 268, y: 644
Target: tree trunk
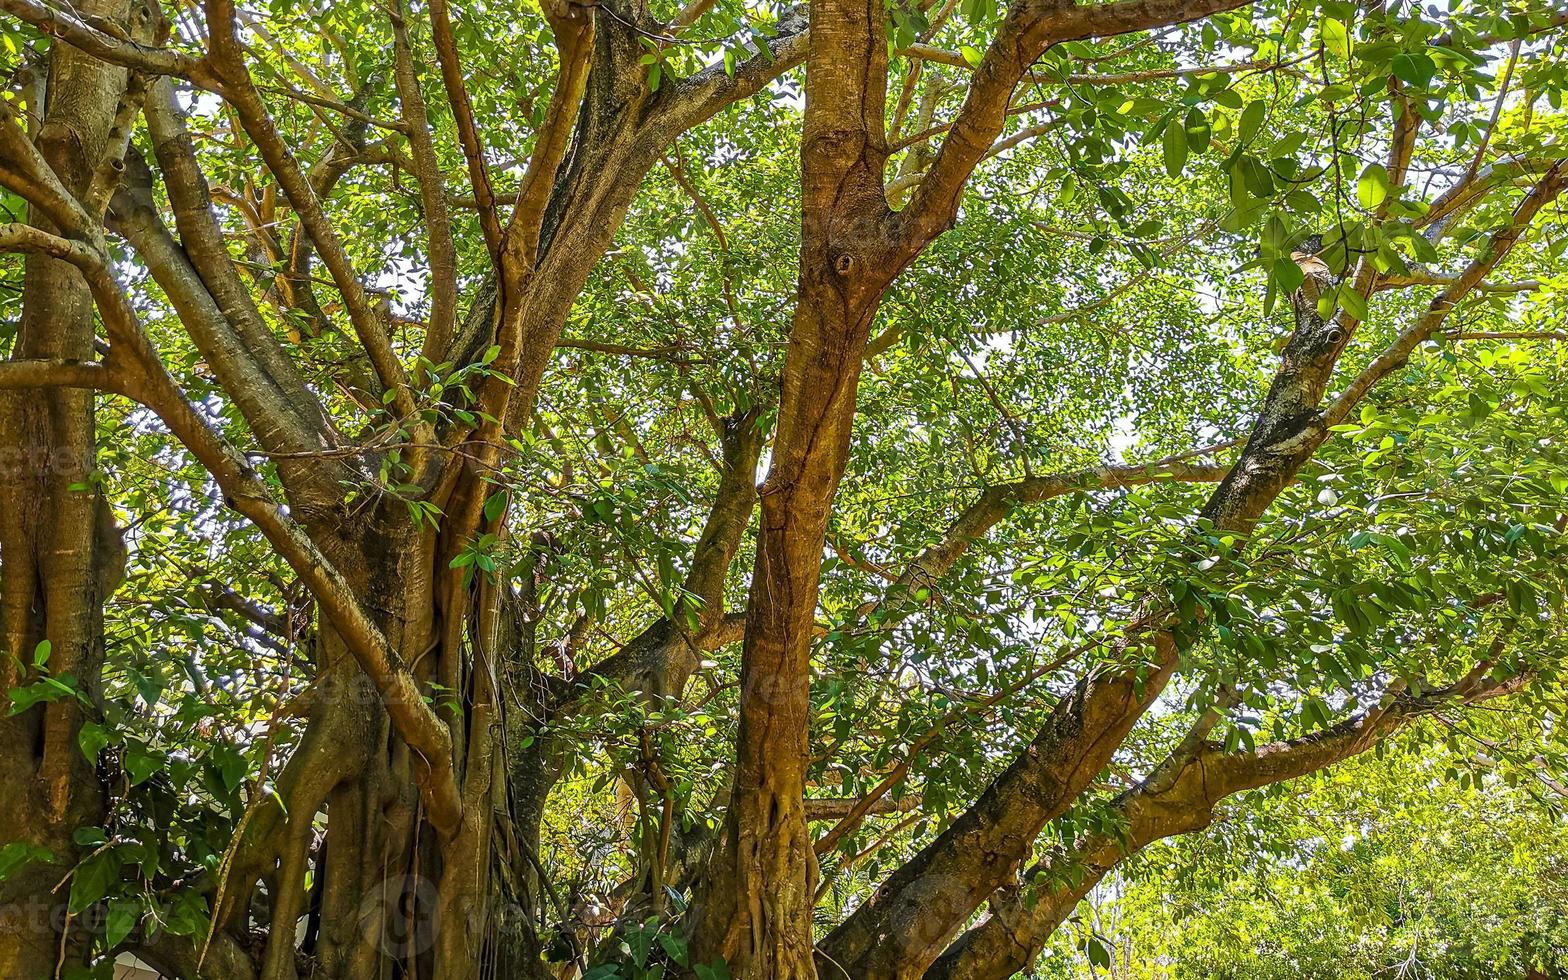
x: 756, y: 907
x: 60, y: 553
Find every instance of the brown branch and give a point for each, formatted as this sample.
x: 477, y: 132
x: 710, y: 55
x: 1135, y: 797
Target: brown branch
x: 1462, y: 196
x: 54, y: 372
x: 15, y: 237
x: 1508, y: 335
x: 24, y: 171
x: 689, y: 15
x: 216, y: 308
x: 573, y: 25
x: 515, y: 260
x: 659, y: 661
x: 288, y: 91
x: 955, y: 59
x: 102, y: 39
x: 432, y: 194
x: 673, y: 353
x: 106, y: 176
x: 873, y: 798
x: 1497, y: 111
x: 1180, y: 797
x: 693, y: 100
x: 225, y: 72
x: 1423, y: 279
x: 829, y: 808
x: 467, y: 133
x: 677, y: 170
x: 906, y: 97
x: 940, y: 128
x: 903, y: 183
x: 1028, y: 30
x: 996, y: 503
x: 1498, y: 246
x: 148, y: 382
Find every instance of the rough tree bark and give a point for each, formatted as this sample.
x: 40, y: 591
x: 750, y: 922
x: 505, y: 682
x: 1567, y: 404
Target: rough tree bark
x: 60, y: 552
x: 755, y: 907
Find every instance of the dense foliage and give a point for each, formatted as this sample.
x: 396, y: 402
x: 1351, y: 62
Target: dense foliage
x: 1161, y: 415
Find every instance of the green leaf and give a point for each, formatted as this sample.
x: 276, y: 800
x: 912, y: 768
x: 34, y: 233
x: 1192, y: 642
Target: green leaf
x: 1098, y: 952
x: 674, y: 947
x: 1251, y: 121
x: 1287, y: 274
x: 1372, y: 187
x: 717, y: 970
x: 92, y: 880
x: 1353, y: 302
x: 1175, y: 144
x: 972, y: 55
x: 1336, y: 38
x: 494, y: 505
x: 45, y: 690
x: 41, y: 653
x: 231, y: 765
x: 189, y: 917
x: 121, y: 919
x: 16, y: 854
x: 92, y: 738
x: 1198, y: 130
x: 1414, y: 69
x: 89, y: 836
x: 140, y: 763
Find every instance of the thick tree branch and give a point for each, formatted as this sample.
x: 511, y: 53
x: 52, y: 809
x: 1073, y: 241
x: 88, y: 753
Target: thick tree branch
x: 467, y: 132
x: 24, y: 171
x: 53, y: 372
x: 996, y: 503
x: 102, y: 39
x: 830, y: 808
x: 991, y: 508
x: 1028, y: 30
x: 660, y: 660
x: 574, y: 29
x: 929, y: 898
x: 225, y: 72
x: 754, y: 909
x: 1180, y: 797
x: 217, y: 309
x: 693, y: 100
x: 1466, y: 194
x: 1497, y: 247
x: 22, y: 238
x: 968, y: 862
x: 432, y: 194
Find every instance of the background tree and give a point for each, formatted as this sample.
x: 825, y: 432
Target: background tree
x: 1162, y: 406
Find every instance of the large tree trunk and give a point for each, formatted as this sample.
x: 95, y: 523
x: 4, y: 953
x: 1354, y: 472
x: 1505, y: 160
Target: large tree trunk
x: 60, y: 553
x: 756, y: 907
